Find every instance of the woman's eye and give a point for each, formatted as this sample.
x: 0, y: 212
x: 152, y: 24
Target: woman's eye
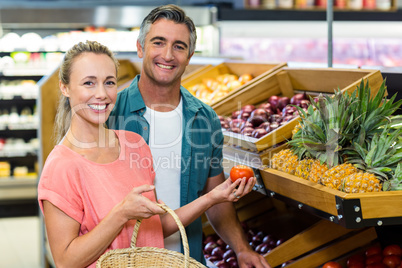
x: 111, y: 83
x: 89, y: 83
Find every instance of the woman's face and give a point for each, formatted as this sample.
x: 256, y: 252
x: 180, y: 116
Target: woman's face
x: 92, y: 89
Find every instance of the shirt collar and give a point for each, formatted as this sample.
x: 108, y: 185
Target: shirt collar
x: 137, y: 104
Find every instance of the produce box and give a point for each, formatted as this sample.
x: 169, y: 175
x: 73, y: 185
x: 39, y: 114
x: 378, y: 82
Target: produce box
x: 287, y: 82
x: 351, y: 210
x: 237, y: 68
x: 193, y: 70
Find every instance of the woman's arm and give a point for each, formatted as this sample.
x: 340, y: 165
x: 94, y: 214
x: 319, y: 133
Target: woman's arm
x: 71, y: 250
x: 223, y: 192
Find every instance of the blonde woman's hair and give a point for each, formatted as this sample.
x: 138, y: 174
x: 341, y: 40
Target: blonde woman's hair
x: 63, y: 115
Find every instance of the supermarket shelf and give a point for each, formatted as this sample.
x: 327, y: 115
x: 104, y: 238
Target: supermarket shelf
x: 229, y: 14
x: 12, y: 189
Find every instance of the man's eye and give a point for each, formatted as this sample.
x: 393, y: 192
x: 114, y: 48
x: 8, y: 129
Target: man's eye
x: 179, y: 47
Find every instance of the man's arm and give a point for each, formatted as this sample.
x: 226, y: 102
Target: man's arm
x: 223, y: 218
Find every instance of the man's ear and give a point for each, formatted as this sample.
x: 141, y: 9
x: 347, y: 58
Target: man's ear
x: 189, y: 58
x: 64, y: 89
x: 139, y: 50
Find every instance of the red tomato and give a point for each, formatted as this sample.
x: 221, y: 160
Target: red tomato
x: 375, y: 258
x: 392, y: 250
x: 376, y: 265
x: 241, y: 171
x: 373, y: 250
x: 392, y: 261
x: 332, y: 264
x: 357, y: 265
x: 355, y: 259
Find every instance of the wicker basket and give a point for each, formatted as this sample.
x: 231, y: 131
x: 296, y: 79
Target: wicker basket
x: 148, y: 257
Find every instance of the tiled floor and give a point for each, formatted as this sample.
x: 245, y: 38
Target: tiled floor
x: 20, y: 242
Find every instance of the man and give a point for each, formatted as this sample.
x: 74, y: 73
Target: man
x: 184, y: 134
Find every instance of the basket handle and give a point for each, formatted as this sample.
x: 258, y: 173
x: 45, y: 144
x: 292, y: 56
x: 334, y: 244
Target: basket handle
x: 181, y: 229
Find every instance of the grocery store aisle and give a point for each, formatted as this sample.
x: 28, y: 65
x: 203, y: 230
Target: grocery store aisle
x: 19, y: 242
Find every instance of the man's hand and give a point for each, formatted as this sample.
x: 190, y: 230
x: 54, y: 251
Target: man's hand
x: 250, y: 259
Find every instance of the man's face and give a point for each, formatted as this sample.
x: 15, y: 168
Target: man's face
x: 165, y: 53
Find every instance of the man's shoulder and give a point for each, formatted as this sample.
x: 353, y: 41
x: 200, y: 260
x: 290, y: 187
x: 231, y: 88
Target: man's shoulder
x: 203, y: 107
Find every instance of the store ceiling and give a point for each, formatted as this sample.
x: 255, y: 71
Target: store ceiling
x: 60, y: 14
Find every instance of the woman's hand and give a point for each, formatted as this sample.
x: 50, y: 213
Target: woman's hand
x: 232, y: 192
x: 136, y: 206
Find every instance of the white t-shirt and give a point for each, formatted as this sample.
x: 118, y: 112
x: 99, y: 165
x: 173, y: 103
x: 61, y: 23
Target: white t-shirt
x: 165, y: 136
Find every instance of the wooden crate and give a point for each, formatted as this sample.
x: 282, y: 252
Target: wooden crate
x: 257, y: 70
x: 349, y: 210
x: 286, y: 82
x: 193, y: 70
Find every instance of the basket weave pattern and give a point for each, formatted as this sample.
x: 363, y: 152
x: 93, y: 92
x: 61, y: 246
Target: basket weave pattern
x: 149, y: 257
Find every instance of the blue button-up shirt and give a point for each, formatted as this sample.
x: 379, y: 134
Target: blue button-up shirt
x: 201, y: 155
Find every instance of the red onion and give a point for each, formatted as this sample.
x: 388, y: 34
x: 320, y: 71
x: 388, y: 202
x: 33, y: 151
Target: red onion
x: 275, y: 118
x: 288, y: 110
x: 217, y: 252
x: 259, y: 132
x: 274, y: 125
x: 267, y: 107
x: 232, y: 262
x: 237, y: 122
x: 280, y: 241
x: 273, y: 100
x: 248, y: 108
x: 265, y: 248
x: 235, y: 129
x: 224, y: 125
x: 297, y: 98
x: 228, y: 253
x: 243, y: 115
x: 283, y: 101
x: 246, y: 124
x: 209, y: 247
x: 235, y: 114
x: 247, y: 131
x: 304, y: 104
x: 288, y: 118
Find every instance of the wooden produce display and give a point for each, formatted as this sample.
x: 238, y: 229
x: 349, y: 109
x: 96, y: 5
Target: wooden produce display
x: 286, y: 82
x: 238, y: 68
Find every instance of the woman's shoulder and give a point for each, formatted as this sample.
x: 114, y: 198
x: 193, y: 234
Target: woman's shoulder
x: 129, y: 137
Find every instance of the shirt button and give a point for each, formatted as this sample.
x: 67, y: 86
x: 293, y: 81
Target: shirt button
x: 142, y: 110
x: 145, y: 128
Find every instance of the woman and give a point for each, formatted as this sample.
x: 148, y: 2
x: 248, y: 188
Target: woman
x: 96, y: 182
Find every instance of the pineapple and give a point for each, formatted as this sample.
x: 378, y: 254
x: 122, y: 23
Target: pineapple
x: 317, y: 171
x: 361, y: 182
x: 333, y: 177
x: 303, y: 168
x: 323, y: 130
x: 371, y: 114
x: 296, y: 129
x: 380, y: 159
x: 285, y: 160
x: 395, y: 183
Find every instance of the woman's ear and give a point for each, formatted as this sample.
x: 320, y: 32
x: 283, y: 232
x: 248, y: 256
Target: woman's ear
x: 64, y: 89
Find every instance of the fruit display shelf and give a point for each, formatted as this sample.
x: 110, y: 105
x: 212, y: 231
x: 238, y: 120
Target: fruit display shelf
x: 356, y: 210
x: 230, y: 67
x: 328, y: 237
x: 287, y: 82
